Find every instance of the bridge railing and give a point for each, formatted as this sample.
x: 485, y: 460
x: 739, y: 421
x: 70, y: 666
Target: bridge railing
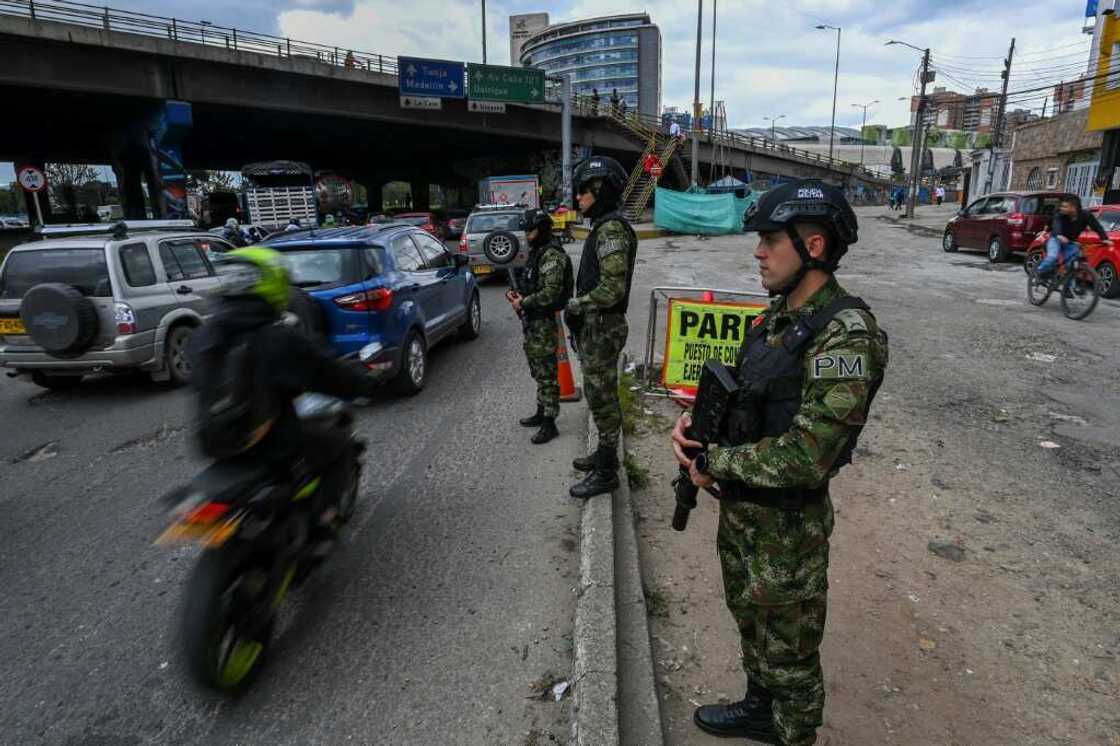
x: 587, y: 107
x: 195, y: 32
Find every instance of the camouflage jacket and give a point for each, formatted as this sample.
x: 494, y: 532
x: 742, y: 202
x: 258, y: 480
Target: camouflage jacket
x: 548, y: 279
x: 612, y: 243
x: 831, y: 407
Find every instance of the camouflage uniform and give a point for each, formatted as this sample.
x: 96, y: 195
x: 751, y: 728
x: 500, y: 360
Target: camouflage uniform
x: 601, y: 336
x: 775, y: 561
x: 541, y: 333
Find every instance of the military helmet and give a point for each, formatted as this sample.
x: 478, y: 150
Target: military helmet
x: 602, y: 167
x: 535, y: 218
x: 809, y: 201
x: 256, y: 271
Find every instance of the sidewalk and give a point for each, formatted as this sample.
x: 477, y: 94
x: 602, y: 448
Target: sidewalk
x: 926, y: 217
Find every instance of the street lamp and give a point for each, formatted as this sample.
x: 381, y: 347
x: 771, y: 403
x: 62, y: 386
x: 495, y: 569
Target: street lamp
x: 835, y: 84
x: 772, y: 120
x: 864, y: 126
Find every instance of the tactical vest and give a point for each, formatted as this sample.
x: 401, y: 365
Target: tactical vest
x: 589, y: 262
x: 531, y: 278
x: 769, y: 397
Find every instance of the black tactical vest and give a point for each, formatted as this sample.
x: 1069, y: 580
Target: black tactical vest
x: 530, y: 281
x: 589, y: 263
x: 770, y: 381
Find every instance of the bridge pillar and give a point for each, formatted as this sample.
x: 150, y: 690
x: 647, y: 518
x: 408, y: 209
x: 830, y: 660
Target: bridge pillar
x: 149, y: 151
x: 375, y: 193
x: 129, y: 171
x: 421, y: 199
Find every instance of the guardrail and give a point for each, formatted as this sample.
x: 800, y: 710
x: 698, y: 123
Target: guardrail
x: 195, y: 32
x: 588, y: 107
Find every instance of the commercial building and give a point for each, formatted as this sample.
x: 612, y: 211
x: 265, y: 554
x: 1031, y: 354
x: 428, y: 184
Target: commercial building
x: 1057, y: 153
x: 521, y: 28
x: 1104, y: 107
x: 606, y: 54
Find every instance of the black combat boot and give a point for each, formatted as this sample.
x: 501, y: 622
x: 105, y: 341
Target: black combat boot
x: 603, y: 479
x: 535, y: 420
x: 584, y: 463
x: 750, y: 718
x: 547, y: 432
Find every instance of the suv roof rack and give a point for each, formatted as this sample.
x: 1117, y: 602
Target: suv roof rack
x: 116, y: 229
x: 512, y: 206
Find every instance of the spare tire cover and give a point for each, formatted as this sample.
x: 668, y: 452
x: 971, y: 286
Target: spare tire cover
x: 501, y: 247
x: 59, y: 318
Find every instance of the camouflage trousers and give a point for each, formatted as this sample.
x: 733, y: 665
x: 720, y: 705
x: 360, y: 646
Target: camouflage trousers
x: 775, y: 582
x: 601, y: 340
x: 540, y: 351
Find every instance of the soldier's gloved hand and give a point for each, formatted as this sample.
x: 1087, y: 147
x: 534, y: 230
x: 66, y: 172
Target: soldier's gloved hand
x: 574, y: 307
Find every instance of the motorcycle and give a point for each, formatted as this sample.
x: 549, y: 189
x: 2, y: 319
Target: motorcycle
x: 255, y: 527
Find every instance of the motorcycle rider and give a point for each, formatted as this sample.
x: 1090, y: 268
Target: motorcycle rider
x: 547, y: 285
x: 280, y: 364
x: 233, y: 234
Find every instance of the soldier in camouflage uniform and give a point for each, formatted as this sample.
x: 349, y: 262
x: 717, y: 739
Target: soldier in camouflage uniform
x: 808, y: 371
x: 546, y: 286
x: 597, y: 315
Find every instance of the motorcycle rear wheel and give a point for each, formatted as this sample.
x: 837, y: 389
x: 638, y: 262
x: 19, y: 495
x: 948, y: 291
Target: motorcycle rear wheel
x: 227, y: 619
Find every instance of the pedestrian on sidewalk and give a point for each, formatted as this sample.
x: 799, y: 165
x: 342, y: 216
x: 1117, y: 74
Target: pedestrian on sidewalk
x: 940, y: 194
x: 597, y: 315
x: 546, y: 286
x: 675, y: 130
x: 614, y: 101
x: 594, y: 102
x: 815, y: 358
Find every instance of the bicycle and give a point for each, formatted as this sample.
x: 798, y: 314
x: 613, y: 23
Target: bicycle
x: 1079, y: 285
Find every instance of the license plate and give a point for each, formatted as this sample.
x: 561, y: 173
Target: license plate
x: 12, y: 326
x: 482, y: 269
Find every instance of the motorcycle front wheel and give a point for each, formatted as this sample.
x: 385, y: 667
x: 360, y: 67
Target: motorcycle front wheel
x: 227, y: 618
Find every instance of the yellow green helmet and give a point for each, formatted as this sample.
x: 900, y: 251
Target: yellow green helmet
x: 259, y: 272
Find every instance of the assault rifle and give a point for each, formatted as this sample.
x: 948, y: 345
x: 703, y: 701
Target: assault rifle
x: 714, y: 394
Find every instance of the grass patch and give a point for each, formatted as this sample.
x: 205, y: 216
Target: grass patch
x: 656, y: 603
x: 636, y: 475
x: 631, y: 403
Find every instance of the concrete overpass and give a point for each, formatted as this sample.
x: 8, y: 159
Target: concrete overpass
x: 83, y: 87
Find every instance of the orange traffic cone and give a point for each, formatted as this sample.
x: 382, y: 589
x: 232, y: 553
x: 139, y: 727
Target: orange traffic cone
x: 568, y: 389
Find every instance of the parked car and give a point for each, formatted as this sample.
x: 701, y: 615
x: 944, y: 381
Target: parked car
x: 504, y: 222
x: 13, y: 222
x: 1001, y: 224
x: 105, y: 298
x: 456, y: 219
x: 1104, y: 259
x: 429, y: 221
x: 387, y: 290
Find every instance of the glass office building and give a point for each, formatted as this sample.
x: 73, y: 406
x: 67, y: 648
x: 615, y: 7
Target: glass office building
x: 614, y: 52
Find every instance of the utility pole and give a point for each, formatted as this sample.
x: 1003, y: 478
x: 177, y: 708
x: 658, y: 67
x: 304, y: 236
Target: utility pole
x: 696, y: 106
x: 835, y: 85
x: 865, y: 107
x: 997, y: 136
x: 919, y: 137
x: 484, y: 33
x: 712, y: 101
x: 566, y: 141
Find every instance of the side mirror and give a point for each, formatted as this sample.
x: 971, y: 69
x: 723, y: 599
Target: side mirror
x: 461, y: 260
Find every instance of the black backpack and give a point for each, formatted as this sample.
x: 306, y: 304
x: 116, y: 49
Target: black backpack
x: 234, y: 413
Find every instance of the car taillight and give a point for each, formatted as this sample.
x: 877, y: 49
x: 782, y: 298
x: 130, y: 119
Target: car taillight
x: 464, y: 245
x: 1016, y: 219
x: 378, y: 299
x: 126, y: 319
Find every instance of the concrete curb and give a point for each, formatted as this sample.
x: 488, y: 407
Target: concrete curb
x: 614, y: 693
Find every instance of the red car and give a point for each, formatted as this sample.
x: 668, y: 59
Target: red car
x: 1001, y: 224
x: 429, y: 221
x: 1104, y: 259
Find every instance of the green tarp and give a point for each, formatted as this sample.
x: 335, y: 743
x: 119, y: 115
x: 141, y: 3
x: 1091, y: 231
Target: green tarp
x: 699, y: 213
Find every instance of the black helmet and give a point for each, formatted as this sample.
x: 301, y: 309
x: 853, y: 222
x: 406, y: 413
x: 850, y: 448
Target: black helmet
x: 807, y: 201
x: 606, y: 179
x: 542, y: 221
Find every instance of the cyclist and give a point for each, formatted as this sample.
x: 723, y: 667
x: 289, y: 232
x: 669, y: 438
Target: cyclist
x: 1068, y: 224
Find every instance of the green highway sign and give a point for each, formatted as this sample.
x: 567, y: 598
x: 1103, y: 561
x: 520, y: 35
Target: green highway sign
x: 520, y: 85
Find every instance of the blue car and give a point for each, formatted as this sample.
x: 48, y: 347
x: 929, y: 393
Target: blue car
x: 385, y: 293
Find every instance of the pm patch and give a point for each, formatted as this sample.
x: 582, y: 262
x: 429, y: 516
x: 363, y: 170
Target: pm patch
x: 839, y: 367
x: 610, y: 246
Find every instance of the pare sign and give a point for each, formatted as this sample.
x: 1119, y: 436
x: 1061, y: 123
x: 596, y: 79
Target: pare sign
x: 700, y: 330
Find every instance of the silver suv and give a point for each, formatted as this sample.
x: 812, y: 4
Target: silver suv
x: 128, y: 297
x: 502, y: 223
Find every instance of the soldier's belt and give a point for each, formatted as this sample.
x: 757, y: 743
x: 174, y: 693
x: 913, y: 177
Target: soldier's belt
x: 782, y: 498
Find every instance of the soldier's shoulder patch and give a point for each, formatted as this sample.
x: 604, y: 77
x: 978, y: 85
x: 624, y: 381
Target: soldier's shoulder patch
x: 839, y: 366
x: 608, y: 245
x: 759, y: 320
x: 550, y: 265
x: 855, y: 320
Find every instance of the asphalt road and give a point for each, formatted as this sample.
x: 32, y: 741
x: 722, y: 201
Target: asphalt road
x: 450, y: 597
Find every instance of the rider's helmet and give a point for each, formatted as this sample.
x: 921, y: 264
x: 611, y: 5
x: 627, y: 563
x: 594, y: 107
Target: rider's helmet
x: 231, y: 224
x: 605, y: 177
x: 329, y: 220
x: 256, y: 272
x: 806, y: 201
x: 542, y: 221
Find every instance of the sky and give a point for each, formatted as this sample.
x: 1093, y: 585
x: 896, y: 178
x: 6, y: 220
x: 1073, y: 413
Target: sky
x: 770, y: 58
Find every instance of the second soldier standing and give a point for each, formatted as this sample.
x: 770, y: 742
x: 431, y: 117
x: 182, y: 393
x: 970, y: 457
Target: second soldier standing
x: 546, y: 287
x: 597, y: 315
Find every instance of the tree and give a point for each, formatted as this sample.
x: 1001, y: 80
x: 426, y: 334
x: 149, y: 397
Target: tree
x: 65, y: 181
x: 208, y: 182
